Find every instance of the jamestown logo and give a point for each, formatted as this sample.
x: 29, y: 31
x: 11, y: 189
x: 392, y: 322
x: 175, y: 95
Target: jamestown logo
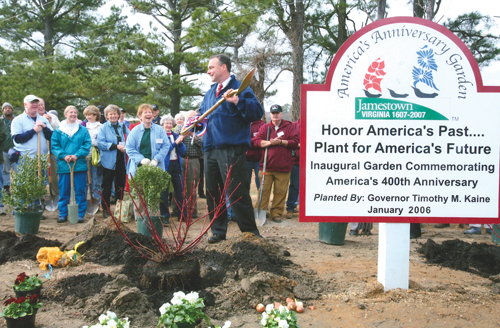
x: 375, y: 107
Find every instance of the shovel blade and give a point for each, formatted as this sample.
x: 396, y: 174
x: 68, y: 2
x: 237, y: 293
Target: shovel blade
x: 92, y: 207
x: 73, y: 214
x: 260, y: 218
x: 51, y: 204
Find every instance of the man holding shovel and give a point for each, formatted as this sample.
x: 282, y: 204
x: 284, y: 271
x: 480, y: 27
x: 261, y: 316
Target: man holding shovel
x: 225, y: 144
x: 283, y: 139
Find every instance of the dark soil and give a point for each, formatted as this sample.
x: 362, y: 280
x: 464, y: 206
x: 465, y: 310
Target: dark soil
x: 477, y: 258
x: 13, y: 248
x: 82, y: 285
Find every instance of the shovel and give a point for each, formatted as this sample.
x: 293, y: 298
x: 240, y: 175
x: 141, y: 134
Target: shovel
x: 51, y: 204
x: 260, y: 216
x: 72, y: 206
x: 92, y: 205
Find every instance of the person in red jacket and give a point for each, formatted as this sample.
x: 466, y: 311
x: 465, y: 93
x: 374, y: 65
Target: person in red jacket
x: 283, y: 139
x: 254, y: 154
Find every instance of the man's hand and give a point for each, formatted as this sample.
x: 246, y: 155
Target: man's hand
x: 179, y: 140
x: 48, y: 117
x: 145, y: 161
x: 154, y: 163
x: 39, y: 126
x: 234, y: 99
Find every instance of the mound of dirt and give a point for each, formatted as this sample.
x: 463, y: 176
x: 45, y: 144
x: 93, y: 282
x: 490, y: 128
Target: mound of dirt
x: 13, y: 248
x: 232, y: 276
x: 482, y: 259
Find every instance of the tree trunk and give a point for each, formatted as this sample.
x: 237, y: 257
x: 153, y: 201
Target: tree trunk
x: 175, y: 95
x: 418, y: 8
x: 342, y: 16
x: 429, y: 12
x: 381, y: 9
x: 297, y: 39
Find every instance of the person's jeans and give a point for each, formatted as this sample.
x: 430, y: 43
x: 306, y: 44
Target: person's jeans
x: 293, y: 190
x: 6, y: 169
x: 96, y: 176
x: 254, y: 166
x: 1, y: 185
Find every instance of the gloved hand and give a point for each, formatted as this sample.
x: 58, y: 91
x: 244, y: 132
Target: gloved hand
x: 154, y: 163
x: 145, y: 161
x: 89, y: 157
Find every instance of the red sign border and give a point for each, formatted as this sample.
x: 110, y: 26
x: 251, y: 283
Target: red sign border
x: 305, y: 88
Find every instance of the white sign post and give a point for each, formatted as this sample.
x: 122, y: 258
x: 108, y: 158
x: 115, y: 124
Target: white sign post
x: 403, y: 130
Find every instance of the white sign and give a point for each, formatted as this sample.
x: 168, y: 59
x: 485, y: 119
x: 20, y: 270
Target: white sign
x: 402, y: 131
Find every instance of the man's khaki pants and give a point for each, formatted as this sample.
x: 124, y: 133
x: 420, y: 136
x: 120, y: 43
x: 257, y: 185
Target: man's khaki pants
x: 280, y: 182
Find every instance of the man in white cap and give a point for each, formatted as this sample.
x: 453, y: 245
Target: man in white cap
x: 25, y: 127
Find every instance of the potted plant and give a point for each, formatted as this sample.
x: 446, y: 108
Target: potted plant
x: 26, y: 191
x: 26, y: 285
x: 110, y: 320
x: 21, y: 312
x: 146, y: 188
x: 183, y: 311
x: 281, y: 317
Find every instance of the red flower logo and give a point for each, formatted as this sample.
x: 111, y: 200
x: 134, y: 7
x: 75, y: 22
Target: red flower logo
x: 377, y: 68
x: 374, y: 79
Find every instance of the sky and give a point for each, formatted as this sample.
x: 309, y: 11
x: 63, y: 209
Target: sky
x: 448, y: 9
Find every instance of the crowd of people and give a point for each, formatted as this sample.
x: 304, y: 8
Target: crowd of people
x: 197, y: 162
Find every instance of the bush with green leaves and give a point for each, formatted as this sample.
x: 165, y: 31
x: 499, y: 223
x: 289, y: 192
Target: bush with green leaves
x: 149, y: 182
x: 26, y: 186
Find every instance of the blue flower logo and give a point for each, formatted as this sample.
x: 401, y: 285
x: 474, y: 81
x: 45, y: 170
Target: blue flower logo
x: 427, y: 65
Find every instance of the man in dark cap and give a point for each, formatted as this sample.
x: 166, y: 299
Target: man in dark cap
x: 283, y: 139
x: 156, y: 114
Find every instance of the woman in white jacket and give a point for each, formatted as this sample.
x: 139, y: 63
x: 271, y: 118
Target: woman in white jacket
x: 93, y: 125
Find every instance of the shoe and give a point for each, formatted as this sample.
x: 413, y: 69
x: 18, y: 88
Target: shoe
x: 105, y: 214
x: 80, y: 220
x: 276, y: 219
x: 62, y: 219
x: 202, y: 196
x: 489, y: 231
x: 216, y: 239
x: 412, y: 236
x: 43, y: 217
x: 289, y: 214
x: 165, y: 220
x: 473, y: 231
x: 353, y: 232
x: 441, y: 225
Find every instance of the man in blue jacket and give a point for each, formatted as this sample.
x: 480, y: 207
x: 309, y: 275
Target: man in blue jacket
x: 225, y: 145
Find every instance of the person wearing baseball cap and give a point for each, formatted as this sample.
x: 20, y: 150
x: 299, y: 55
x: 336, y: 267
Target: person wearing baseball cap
x: 156, y: 114
x: 283, y: 139
x: 25, y: 127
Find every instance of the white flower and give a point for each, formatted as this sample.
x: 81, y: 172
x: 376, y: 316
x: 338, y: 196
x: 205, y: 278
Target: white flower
x: 103, y: 318
x: 283, y: 324
x: 192, y: 297
x: 164, y: 307
x: 281, y: 308
x: 126, y: 324
x: 111, y: 324
x: 227, y: 324
x: 178, y: 297
x: 112, y: 315
x: 263, y: 322
x: 265, y: 315
x: 269, y: 308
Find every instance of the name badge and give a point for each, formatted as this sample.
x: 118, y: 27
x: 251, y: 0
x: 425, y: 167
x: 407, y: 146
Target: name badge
x: 255, y: 133
x: 121, y: 143
x: 159, y: 141
x: 281, y: 133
